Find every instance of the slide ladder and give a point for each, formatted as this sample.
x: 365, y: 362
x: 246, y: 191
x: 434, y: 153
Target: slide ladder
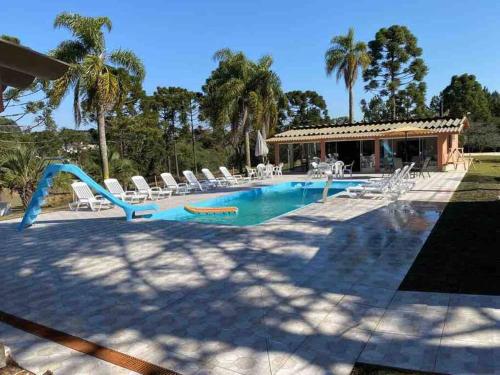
x: 42, y: 190
x: 456, y: 157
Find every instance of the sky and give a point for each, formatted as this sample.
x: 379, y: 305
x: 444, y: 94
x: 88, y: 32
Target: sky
x: 176, y: 39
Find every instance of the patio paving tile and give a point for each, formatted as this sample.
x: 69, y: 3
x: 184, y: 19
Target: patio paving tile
x: 414, y: 323
x: 371, y: 296
x: 353, y: 315
x: 401, y: 351
x: 301, y: 294
x: 462, y: 357
x: 478, y: 324
x: 326, y: 354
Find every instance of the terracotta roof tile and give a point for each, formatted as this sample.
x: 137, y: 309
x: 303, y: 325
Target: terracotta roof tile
x: 367, y: 130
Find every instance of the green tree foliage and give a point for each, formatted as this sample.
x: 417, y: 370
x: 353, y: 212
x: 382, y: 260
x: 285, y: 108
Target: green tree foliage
x: 97, y: 77
x: 20, y: 169
x: 397, y: 71
x: 345, y: 57
x: 10, y: 38
x: 465, y: 96
x: 173, y: 106
x: 493, y: 101
x: 375, y: 109
x: 304, y: 108
x: 241, y: 94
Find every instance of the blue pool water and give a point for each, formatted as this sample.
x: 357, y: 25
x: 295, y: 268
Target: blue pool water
x: 257, y: 205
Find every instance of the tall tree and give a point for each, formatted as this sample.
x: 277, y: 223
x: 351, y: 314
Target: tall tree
x: 173, y: 104
x: 270, y: 96
x: 396, y: 63
x: 239, y: 93
x: 304, y: 108
x: 346, y: 56
x: 465, y: 96
x: 96, y: 76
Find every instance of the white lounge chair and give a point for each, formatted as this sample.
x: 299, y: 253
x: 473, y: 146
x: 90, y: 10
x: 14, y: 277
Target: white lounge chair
x: 405, y: 183
x: 4, y: 208
x: 195, y: 184
x: 171, y: 184
x: 216, y: 181
x: 85, y: 197
x: 232, y: 179
x: 153, y: 193
x: 116, y: 189
x: 386, y: 186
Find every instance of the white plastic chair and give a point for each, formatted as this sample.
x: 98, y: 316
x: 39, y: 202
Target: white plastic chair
x: 261, y: 171
x: 153, y: 193
x: 116, y: 189
x: 251, y: 172
x: 339, y: 169
x: 231, y: 179
x: 85, y: 197
x: 171, y: 184
x: 316, y: 173
x: 278, y: 170
x: 193, y: 182
x: 348, y: 168
x: 217, y: 182
x: 269, y: 170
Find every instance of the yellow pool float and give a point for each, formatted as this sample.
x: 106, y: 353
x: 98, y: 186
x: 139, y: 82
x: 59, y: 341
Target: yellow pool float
x: 211, y: 210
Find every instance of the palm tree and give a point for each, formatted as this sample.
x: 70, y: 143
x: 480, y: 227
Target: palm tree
x: 234, y: 91
x: 242, y: 93
x: 346, y: 56
x: 20, y: 170
x: 96, y: 77
x: 270, y: 95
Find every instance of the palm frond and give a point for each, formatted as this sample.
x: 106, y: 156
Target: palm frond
x: 129, y: 61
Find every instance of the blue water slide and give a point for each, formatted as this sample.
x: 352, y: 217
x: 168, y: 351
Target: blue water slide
x: 42, y: 190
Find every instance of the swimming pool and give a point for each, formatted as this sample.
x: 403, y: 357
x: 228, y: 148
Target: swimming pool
x: 257, y: 205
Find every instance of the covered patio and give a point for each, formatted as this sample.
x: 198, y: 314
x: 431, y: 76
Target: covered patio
x: 372, y: 146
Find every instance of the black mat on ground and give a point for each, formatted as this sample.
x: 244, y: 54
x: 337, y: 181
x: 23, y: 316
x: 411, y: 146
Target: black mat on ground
x: 366, y: 369
x: 462, y: 253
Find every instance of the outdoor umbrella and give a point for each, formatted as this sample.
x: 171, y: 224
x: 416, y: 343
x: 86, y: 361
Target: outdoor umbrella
x: 403, y: 132
x: 19, y: 66
x: 261, y: 148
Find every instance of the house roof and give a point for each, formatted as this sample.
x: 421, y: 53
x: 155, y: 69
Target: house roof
x: 369, y: 130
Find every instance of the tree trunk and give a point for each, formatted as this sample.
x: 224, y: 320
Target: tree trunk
x: 192, y: 139
x: 393, y: 99
x: 248, y: 160
x: 351, y: 105
x: 176, y: 160
x: 103, y: 147
x: 165, y: 138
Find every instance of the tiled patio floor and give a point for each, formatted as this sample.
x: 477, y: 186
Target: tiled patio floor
x: 311, y: 292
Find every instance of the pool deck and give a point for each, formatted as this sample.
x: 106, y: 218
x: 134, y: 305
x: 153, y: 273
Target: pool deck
x: 311, y: 292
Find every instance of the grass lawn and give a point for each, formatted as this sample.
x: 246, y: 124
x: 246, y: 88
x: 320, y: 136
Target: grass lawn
x: 462, y: 254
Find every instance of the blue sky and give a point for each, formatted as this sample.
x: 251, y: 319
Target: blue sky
x: 176, y: 39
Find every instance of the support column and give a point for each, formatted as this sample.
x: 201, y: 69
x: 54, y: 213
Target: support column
x: 322, y: 147
x: 442, y: 150
x: 377, y: 155
x: 276, y: 153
